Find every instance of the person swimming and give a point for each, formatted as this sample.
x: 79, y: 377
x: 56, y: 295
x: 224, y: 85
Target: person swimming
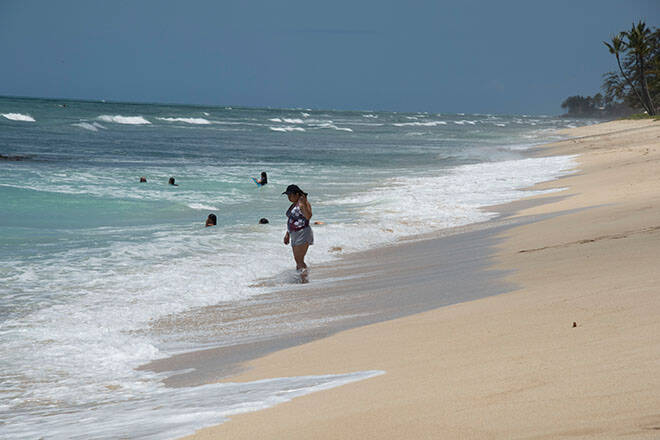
x: 264, y: 179
x: 263, y: 221
x: 211, y: 220
x: 299, y: 233
x: 171, y: 182
x: 143, y: 179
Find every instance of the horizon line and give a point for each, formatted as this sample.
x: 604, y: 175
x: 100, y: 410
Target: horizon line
x: 240, y: 106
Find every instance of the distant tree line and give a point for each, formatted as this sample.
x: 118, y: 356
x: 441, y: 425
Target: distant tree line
x: 635, y: 87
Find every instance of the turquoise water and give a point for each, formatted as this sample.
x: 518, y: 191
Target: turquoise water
x: 89, y: 257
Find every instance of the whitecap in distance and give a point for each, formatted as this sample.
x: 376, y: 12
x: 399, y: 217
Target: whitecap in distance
x: 420, y: 124
x: 286, y: 128
x: 18, y: 117
x: 332, y: 126
x: 86, y: 126
x: 196, y: 121
x: 128, y: 120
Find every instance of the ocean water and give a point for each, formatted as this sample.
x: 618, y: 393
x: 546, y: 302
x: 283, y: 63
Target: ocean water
x: 90, y: 258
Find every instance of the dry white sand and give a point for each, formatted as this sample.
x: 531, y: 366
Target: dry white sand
x: 512, y: 365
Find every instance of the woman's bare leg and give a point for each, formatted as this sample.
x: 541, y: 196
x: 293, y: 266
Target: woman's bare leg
x: 299, y: 253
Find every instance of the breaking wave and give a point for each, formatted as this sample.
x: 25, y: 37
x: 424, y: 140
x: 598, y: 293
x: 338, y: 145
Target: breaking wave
x: 18, y: 117
x: 287, y: 128
x: 420, y: 124
x: 333, y: 126
x: 287, y: 120
x: 129, y: 120
x: 197, y: 121
x: 94, y: 126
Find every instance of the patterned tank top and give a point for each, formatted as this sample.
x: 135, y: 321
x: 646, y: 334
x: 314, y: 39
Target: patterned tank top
x: 297, y: 220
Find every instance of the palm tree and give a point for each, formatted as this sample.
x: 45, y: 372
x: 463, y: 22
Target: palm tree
x: 639, y: 44
x: 616, y: 48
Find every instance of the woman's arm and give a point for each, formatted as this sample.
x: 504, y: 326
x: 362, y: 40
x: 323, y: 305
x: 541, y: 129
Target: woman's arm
x: 305, y: 207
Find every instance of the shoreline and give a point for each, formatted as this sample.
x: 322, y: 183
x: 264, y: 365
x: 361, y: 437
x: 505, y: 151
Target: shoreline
x: 353, y: 292
x: 347, y: 281
x: 512, y: 365
x: 350, y: 292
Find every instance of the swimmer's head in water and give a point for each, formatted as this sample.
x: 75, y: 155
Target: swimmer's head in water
x: 143, y: 179
x: 263, y: 221
x: 171, y: 181
x: 211, y: 220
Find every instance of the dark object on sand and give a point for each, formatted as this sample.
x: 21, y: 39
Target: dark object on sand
x: 211, y: 220
x: 574, y: 324
x: 14, y: 158
x: 263, y: 221
x: 171, y: 182
x: 143, y: 179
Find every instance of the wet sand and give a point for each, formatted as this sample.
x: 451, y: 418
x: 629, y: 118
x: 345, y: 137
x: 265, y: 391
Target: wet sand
x: 572, y: 350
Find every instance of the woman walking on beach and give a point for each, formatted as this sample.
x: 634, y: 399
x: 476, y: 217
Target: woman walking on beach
x: 299, y: 233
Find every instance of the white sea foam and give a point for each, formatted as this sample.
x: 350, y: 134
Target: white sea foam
x: 175, y: 412
x: 331, y: 126
x: 304, y: 115
x: 202, y: 207
x: 129, y: 120
x: 449, y: 199
x: 370, y: 115
x: 18, y: 117
x: 519, y: 147
x: 286, y: 128
x: 463, y: 122
x: 287, y: 120
x: 197, y: 121
x: 93, y: 126
x: 420, y: 124
x: 86, y: 126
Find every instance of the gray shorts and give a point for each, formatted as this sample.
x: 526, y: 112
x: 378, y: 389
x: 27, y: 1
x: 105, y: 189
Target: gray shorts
x: 305, y: 235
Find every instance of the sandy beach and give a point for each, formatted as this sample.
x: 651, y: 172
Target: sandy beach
x: 571, y: 350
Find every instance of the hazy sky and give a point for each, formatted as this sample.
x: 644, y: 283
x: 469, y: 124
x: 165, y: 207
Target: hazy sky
x: 439, y: 56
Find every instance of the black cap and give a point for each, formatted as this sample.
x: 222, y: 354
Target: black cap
x: 294, y: 189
